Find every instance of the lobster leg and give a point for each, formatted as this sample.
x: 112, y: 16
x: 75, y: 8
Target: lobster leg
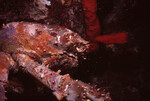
x: 2, y: 92
x: 62, y: 85
x: 4, y: 68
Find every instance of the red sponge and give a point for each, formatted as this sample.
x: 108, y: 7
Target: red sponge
x: 118, y: 38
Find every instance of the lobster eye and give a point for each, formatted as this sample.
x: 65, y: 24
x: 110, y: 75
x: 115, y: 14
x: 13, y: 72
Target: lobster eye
x: 80, y: 49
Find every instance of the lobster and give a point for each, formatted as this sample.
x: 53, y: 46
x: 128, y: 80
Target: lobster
x: 37, y: 49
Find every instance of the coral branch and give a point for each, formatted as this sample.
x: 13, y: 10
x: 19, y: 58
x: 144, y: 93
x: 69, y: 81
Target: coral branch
x: 62, y: 85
